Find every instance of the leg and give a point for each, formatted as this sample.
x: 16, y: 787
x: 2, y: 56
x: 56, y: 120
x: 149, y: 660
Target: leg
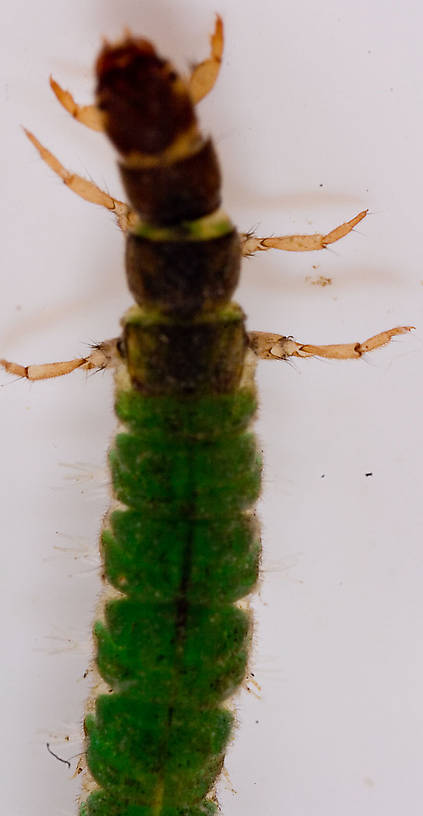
x: 125, y: 217
x: 88, y: 115
x: 201, y: 81
x: 269, y: 346
x: 204, y: 75
x: 298, y: 243
x: 100, y: 358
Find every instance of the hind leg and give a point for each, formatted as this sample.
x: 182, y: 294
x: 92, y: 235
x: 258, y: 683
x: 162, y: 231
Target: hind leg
x: 102, y: 356
x: 270, y: 346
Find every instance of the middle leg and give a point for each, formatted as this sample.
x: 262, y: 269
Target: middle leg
x: 298, y: 243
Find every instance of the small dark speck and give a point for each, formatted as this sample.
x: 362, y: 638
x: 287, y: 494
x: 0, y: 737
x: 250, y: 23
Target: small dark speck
x: 257, y: 721
x: 323, y: 475
x: 320, y: 185
x: 369, y: 473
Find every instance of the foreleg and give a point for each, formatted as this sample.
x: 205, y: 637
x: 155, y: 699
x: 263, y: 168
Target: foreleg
x: 204, y: 75
x: 88, y: 115
x: 202, y: 80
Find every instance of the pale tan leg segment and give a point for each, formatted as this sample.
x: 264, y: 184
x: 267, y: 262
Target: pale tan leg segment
x: 125, y: 217
x: 201, y: 82
x: 88, y: 115
x: 298, y: 243
x: 101, y: 357
x: 270, y: 346
x: 204, y: 75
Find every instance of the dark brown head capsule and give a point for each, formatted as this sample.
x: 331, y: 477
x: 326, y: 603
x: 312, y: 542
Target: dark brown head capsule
x: 169, y: 172
x: 145, y: 104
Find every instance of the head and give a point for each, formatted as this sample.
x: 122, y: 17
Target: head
x: 146, y: 105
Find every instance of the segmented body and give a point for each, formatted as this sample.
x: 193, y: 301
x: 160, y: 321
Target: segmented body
x: 183, y: 546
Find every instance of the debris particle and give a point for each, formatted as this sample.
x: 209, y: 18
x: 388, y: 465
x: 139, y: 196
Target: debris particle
x: 65, y: 761
x: 320, y: 281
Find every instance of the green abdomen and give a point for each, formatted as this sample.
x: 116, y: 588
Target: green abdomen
x: 185, y: 547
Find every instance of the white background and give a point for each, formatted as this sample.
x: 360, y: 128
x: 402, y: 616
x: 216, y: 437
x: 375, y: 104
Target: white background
x: 317, y: 114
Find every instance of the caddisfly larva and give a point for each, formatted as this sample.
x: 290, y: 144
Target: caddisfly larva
x: 181, y: 544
